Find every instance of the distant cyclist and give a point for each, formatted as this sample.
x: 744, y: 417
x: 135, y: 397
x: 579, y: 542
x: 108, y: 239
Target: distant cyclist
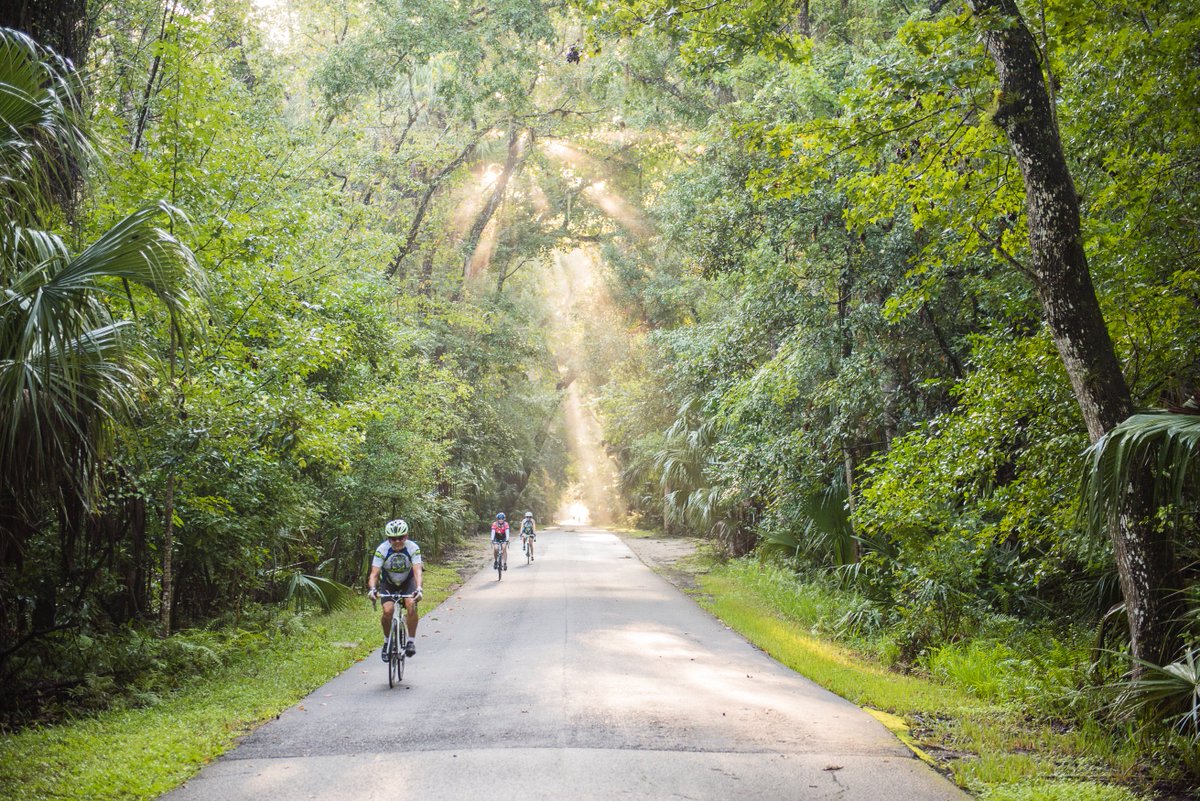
x: 396, y: 568
x: 528, y: 534
x: 500, y: 539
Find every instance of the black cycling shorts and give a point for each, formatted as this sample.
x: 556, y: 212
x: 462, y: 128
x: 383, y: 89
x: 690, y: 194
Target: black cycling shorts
x: 407, y: 587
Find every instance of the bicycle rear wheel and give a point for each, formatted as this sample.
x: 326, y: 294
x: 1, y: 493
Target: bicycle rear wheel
x: 499, y: 564
x: 528, y: 551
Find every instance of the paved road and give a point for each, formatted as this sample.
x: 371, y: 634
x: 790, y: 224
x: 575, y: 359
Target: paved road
x: 582, y: 676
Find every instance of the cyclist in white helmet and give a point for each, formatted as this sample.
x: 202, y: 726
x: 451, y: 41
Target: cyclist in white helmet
x: 396, y: 568
x: 528, y: 534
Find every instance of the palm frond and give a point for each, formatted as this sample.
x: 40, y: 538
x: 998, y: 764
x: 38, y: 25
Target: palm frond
x: 302, y: 590
x: 22, y: 247
x: 1173, y: 690
x: 137, y: 250
x: 1170, y: 439
x: 54, y: 402
x: 823, y: 527
x: 40, y: 140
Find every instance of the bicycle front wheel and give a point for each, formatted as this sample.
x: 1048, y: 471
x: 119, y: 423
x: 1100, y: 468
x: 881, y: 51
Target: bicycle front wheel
x: 396, y: 653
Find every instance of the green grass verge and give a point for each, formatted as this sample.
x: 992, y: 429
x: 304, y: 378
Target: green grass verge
x: 634, y: 533
x: 990, y: 749
x: 142, y: 753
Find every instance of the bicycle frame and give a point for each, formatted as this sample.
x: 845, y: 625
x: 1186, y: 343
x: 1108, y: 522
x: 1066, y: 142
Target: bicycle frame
x: 499, y: 557
x: 397, y: 636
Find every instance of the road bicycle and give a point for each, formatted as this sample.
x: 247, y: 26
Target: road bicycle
x: 528, y: 545
x: 397, y: 638
x: 498, y: 559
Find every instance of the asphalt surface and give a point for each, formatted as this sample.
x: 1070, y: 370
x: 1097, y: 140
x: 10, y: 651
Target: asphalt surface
x: 581, y: 676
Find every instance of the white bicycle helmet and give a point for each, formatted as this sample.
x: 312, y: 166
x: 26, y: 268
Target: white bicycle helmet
x: 396, y: 528
x: 528, y: 514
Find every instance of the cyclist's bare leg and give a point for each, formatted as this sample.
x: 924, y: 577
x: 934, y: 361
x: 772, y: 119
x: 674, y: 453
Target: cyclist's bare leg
x: 386, y: 619
x: 410, y: 604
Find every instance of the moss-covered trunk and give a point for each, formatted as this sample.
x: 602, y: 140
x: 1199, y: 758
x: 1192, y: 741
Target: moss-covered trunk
x: 1072, y: 312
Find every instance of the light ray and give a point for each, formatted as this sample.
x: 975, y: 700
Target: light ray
x: 618, y: 209
x: 481, y: 259
x: 581, y: 301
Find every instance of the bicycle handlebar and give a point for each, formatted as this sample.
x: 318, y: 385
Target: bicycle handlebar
x: 391, y: 596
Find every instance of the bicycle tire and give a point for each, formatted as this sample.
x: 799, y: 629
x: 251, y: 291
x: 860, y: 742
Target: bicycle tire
x: 401, y: 657
x: 528, y: 551
x: 395, y: 670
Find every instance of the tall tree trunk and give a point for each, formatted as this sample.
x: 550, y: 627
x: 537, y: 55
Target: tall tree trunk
x: 1144, y: 559
x: 137, y: 598
x: 845, y: 286
x: 425, y: 283
x: 948, y: 353
x: 61, y: 25
x: 167, y: 596
x: 167, y: 588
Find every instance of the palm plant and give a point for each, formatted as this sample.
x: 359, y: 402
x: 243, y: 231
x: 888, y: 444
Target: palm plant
x: 40, y: 140
x: 822, y: 528
x: 67, y: 368
x: 1170, y: 439
x: 680, y: 464
x: 1173, y: 688
x: 300, y: 590
x: 691, y: 500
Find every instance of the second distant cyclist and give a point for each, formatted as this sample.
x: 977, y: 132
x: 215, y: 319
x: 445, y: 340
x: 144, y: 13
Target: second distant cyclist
x: 500, y: 539
x: 528, y: 535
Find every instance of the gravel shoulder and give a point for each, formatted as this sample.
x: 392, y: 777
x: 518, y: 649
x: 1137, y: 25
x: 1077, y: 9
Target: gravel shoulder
x: 673, y: 558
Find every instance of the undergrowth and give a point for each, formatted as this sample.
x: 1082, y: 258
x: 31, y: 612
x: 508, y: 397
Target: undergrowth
x: 242, y: 679
x: 1009, y: 713
x: 133, y: 667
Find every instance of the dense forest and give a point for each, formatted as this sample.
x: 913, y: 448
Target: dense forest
x: 900, y: 297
